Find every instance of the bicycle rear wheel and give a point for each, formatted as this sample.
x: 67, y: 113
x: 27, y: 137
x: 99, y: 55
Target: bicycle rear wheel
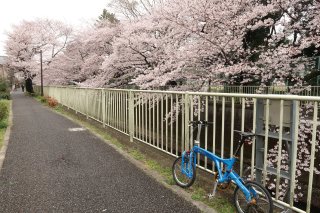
x: 183, y: 174
x: 263, y: 199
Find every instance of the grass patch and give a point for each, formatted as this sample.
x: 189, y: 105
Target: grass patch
x: 2, y: 132
x: 164, y: 171
x: 137, y: 155
x: 5, y: 107
x: 220, y: 203
x: 199, y: 194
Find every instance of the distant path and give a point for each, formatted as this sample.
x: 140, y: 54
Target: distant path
x: 50, y: 169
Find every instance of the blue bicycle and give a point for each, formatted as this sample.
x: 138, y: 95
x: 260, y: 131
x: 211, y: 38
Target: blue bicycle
x: 249, y: 196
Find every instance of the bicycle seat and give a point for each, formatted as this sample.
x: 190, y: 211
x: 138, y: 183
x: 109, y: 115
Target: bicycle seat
x: 245, y: 134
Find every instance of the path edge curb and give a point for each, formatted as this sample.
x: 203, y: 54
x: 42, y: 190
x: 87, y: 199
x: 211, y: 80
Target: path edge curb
x: 4, y: 147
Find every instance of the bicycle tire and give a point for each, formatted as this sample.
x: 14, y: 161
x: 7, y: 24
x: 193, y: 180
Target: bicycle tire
x: 245, y: 207
x: 181, y: 179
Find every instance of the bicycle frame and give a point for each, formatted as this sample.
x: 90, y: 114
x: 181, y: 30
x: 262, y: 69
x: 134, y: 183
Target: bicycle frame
x: 223, y: 178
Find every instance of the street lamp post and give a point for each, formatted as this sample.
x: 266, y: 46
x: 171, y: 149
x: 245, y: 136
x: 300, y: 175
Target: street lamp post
x: 41, y: 73
x: 41, y: 70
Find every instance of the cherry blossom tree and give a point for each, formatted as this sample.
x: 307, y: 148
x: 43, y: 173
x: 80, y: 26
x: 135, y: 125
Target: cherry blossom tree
x: 134, y: 9
x: 82, y: 59
x: 28, y: 38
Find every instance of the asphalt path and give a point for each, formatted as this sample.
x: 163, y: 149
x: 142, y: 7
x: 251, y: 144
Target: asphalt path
x: 48, y: 168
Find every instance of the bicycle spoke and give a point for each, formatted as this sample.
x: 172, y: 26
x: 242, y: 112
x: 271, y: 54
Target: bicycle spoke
x: 262, y: 210
x: 183, y: 174
x: 259, y: 193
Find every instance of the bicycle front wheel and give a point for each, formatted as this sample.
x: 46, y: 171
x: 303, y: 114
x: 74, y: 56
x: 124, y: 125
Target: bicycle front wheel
x: 184, y: 174
x: 263, y: 201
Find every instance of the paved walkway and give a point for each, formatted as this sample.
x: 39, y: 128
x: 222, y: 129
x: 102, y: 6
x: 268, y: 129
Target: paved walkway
x: 50, y: 169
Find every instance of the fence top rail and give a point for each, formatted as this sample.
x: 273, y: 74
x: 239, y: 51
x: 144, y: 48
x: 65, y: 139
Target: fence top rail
x: 281, y: 86
x: 236, y: 95
x: 111, y: 89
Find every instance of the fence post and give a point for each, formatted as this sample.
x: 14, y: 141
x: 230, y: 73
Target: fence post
x: 294, y: 148
x: 87, y: 103
x: 103, y: 93
x: 131, y: 115
x: 186, y: 121
x: 67, y: 98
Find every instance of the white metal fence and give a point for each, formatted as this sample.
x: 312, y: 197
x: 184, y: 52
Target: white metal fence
x: 303, y: 91
x: 286, y: 126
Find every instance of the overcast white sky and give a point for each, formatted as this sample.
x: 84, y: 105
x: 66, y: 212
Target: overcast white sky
x: 74, y: 12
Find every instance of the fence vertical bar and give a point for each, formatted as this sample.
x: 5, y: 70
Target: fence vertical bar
x: 243, y: 111
x: 149, y: 110
x: 120, y: 119
x: 191, y: 119
x: 100, y: 106
x: 214, y: 127
x: 199, y: 110
x: 115, y: 109
x: 313, y: 150
x: 177, y: 124
x: 126, y: 112
x: 131, y: 115
x: 206, y: 132
x: 136, y: 114
x: 279, y: 149
x: 123, y: 107
x: 182, y: 123
x: 109, y: 108
x: 296, y: 106
x: 167, y: 117
x: 103, y: 108
x: 146, y: 118
x: 144, y: 114
x: 171, y: 125
x: 139, y: 115
x: 87, y: 103
x: 161, y: 117
x: 232, y: 127
x: 153, y: 121
x: 158, y: 131
x: 222, y: 125
x: 118, y: 110
x: 114, y: 96
x: 186, y: 121
x: 266, y: 139
x: 254, y: 139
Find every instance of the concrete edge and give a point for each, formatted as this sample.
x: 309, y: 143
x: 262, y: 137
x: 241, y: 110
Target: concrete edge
x: 151, y: 173
x: 6, y: 138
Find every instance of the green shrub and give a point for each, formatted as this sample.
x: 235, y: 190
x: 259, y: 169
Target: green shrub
x: 3, y: 124
x: 4, y: 95
x: 4, y: 109
x: 4, y: 90
x: 43, y: 99
x: 3, y: 86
